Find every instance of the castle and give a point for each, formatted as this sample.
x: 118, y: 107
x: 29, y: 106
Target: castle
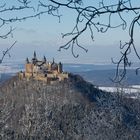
x: 43, y: 70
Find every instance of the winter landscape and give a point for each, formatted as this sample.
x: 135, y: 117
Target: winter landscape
x: 100, y: 75
x: 70, y: 109
x: 69, y: 70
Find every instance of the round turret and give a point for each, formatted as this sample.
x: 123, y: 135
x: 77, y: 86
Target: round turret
x: 60, y: 67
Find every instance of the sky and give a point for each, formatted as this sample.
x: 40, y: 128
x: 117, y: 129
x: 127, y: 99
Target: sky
x: 44, y: 36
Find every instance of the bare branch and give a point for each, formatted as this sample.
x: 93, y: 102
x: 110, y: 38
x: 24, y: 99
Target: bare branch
x: 6, y: 52
x: 88, y: 18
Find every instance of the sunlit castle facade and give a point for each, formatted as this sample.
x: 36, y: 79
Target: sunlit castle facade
x: 43, y: 70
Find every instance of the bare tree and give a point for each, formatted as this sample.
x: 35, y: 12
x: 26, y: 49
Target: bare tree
x: 91, y: 18
x: 16, y: 11
x: 6, y: 52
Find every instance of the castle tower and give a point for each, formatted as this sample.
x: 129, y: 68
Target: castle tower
x: 44, y: 59
x: 54, y: 66
x: 53, y: 61
x: 27, y: 61
x: 35, y: 55
x: 49, y: 66
x: 28, y: 66
x: 34, y: 59
x: 60, y: 67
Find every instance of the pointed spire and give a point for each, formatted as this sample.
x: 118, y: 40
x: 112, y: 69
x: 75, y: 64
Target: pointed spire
x: 35, y: 54
x: 34, y: 59
x: 53, y: 60
x: 27, y: 60
x: 44, y: 59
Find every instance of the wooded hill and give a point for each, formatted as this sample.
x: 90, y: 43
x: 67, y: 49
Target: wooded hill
x: 70, y: 110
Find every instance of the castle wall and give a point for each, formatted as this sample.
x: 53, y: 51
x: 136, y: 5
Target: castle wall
x: 28, y: 75
x: 51, y: 75
x: 60, y: 69
x: 63, y: 76
x: 40, y: 78
x: 21, y: 75
x: 55, y: 72
x: 29, y: 68
x: 35, y: 69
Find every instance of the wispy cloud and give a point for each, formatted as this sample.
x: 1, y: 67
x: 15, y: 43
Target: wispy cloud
x: 27, y: 31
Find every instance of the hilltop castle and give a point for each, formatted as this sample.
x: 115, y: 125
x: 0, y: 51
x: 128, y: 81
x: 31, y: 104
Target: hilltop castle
x: 43, y: 70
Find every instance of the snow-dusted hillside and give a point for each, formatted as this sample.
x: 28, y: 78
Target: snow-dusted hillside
x: 131, y: 91
x: 70, y: 110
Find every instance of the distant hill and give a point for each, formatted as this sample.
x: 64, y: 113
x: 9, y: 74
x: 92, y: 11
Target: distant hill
x: 99, y: 75
x: 103, y: 77
x: 5, y: 77
x: 69, y: 110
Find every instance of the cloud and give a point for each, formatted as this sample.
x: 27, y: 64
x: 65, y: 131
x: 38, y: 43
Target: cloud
x: 27, y: 31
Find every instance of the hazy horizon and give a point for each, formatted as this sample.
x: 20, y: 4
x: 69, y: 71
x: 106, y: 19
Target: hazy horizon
x: 44, y: 35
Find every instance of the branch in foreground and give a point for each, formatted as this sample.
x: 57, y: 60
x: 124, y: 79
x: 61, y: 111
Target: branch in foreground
x: 6, y: 52
x: 100, y: 19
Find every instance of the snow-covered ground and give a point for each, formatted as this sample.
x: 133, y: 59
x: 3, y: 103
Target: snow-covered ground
x: 131, y: 91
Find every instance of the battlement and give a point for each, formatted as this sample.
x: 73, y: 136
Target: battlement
x: 43, y: 70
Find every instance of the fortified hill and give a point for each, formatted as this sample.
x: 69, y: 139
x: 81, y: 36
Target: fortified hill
x: 43, y: 70
x: 70, y: 110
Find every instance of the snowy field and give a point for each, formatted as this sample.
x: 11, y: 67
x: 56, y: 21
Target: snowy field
x: 131, y: 91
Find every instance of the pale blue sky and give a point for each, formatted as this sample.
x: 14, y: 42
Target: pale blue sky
x: 44, y: 36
